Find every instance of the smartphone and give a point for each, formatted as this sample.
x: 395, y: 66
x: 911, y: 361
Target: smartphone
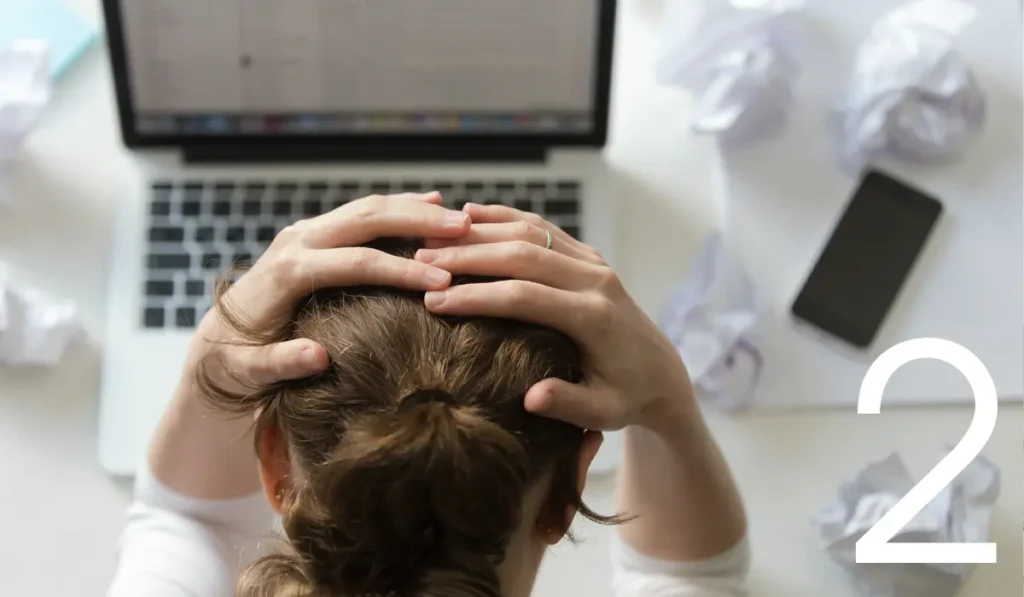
x: 872, y: 250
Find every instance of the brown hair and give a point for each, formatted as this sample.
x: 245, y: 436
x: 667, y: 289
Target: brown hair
x: 413, y: 500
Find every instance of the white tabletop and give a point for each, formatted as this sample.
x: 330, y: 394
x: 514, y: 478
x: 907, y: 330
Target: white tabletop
x: 786, y: 195
x: 63, y: 514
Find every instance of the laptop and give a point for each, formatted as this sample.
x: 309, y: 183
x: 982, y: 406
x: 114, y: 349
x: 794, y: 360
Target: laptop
x: 243, y: 117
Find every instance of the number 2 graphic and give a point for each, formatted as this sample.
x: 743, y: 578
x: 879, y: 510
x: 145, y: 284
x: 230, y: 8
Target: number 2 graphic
x: 874, y: 547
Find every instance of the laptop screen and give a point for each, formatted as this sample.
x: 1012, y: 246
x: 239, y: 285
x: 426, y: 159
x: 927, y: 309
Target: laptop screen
x: 361, y: 67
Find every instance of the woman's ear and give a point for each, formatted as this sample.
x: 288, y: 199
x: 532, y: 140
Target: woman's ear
x: 592, y: 441
x: 275, y: 466
x: 589, y: 447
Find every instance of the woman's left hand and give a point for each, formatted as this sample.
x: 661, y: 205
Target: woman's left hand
x: 632, y: 375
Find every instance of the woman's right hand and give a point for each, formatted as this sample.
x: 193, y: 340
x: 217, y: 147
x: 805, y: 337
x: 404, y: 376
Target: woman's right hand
x: 317, y: 253
x: 633, y: 374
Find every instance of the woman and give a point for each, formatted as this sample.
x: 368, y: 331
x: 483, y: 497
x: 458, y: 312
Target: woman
x: 395, y: 443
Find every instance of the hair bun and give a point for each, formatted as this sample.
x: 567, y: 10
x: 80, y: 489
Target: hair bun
x: 425, y: 396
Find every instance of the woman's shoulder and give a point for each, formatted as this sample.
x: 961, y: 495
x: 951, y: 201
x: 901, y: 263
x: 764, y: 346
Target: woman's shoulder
x: 637, y: 574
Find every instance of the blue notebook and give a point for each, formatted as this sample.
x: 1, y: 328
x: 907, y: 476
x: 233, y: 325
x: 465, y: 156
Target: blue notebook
x: 51, y: 20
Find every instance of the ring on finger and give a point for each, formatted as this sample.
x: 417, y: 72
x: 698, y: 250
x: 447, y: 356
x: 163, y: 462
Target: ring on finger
x: 549, y: 239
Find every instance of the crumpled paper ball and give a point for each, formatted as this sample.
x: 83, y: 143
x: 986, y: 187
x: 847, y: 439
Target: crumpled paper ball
x: 712, y: 320
x: 35, y: 329
x: 910, y: 94
x: 24, y: 91
x: 960, y: 513
x: 742, y: 68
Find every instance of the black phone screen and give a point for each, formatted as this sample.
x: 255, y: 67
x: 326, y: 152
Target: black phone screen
x: 872, y: 250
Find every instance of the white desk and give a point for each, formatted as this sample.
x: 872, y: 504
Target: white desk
x: 63, y: 514
x: 786, y: 195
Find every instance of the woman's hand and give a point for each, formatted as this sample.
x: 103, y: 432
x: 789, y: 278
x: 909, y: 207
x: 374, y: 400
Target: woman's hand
x: 672, y: 477
x: 202, y: 456
x: 324, y: 252
x: 633, y: 373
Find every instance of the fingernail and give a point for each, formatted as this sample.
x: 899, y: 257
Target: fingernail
x: 426, y: 255
x: 437, y: 276
x: 536, y: 402
x: 310, y: 360
x: 455, y: 219
x: 435, y: 299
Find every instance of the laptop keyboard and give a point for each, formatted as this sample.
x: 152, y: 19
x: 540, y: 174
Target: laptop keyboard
x: 197, y: 229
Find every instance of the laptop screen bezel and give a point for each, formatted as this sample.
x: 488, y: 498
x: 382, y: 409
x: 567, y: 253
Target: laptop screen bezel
x: 595, y: 137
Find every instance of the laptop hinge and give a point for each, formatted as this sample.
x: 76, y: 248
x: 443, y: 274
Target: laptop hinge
x: 361, y: 152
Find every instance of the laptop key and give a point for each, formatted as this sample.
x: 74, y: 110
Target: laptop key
x: 153, y: 317
x: 523, y: 205
x: 266, y: 234
x: 185, y: 317
x: 251, y: 207
x: 282, y: 208
x: 204, y: 234
x: 212, y: 261
x: 561, y: 207
x: 254, y: 191
x: 222, y: 208
x: 317, y: 189
x: 286, y: 190
x: 160, y: 288
x: 235, y: 234
x: 195, y: 288
x: 380, y: 188
x: 194, y: 192
x: 161, y: 234
x: 242, y: 258
x: 573, y: 231
x: 168, y: 261
x: 160, y: 208
x: 312, y: 208
x: 191, y: 208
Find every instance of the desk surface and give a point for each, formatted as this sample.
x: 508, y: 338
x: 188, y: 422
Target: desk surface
x: 64, y: 514
x: 786, y: 195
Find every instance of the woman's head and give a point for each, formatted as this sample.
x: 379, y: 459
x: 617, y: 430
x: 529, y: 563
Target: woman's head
x: 411, y: 468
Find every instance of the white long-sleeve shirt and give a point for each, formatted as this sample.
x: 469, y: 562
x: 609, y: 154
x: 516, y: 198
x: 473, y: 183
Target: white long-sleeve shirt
x: 176, y: 546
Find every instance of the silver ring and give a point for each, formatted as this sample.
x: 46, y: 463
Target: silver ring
x: 550, y: 240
